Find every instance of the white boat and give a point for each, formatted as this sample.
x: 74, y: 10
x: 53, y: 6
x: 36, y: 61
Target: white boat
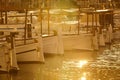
x: 27, y: 46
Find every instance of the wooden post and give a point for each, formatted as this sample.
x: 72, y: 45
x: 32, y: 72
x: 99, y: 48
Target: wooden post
x: 41, y: 20
x: 93, y: 23
x: 1, y: 14
x: 112, y: 22
x: 1, y: 18
x: 30, y: 3
x: 84, y: 3
x: 13, y: 59
x: 48, y: 21
x: 96, y: 19
x: 79, y: 22
x: 87, y: 21
x: 25, y: 29
x: 31, y: 20
x: 6, y: 17
x: 0, y: 5
x: 104, y: 19
x: 101, y: 23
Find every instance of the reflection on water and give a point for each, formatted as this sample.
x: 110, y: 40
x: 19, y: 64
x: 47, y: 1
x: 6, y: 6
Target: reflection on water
x: 83, y: 78
x: 82, y: 63
x: 72, y: 65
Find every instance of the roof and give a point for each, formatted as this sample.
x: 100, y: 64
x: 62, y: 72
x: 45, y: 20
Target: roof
x: 17, y: 5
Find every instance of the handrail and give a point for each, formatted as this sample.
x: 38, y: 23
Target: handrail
x: 4, y: 36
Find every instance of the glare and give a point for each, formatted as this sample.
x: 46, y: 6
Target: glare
x: 70, y: 10
x: 84, y: 74
x: 83, y: 78
x: 31, y: 11
x: 44, y: 35
x: 82, y: 63
x: 70, y: 22
x: 102, y: 10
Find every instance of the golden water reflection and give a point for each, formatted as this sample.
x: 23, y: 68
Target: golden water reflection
x: 71, y: 66
x: 70, y: 70
x: 83, y: 78
x: 82, y: 63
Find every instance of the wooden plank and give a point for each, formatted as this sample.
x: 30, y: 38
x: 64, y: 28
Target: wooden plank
x: 12, y: 26
x: 26, y: 47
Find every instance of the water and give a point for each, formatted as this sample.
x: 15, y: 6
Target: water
x: 70, y: 66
